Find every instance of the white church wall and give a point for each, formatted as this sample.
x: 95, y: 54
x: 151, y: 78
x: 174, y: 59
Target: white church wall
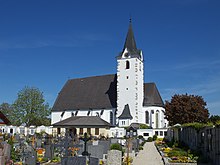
x: 153, y: 122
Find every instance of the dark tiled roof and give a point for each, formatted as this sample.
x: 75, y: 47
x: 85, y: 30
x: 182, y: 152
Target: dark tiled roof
x: 97, y: 92
x: 4, y: 119
x: 130, y: 44
x: 83, y: 121
x: 152, y: 96
x: 126, y: 114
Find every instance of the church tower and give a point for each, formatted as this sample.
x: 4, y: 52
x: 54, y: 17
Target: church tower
x: 130, y: 82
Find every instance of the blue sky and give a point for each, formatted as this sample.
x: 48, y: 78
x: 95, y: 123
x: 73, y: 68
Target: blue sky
x: 43, y: 43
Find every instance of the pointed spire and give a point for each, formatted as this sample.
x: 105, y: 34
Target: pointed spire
x: 130, y: 43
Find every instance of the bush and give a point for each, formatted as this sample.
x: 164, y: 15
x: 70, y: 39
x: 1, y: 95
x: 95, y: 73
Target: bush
x: 141, y: 148
x: 177, y: 153
x: 140, y: 137
x: 154, y: 137
x: 150, y: 139
x: 116, y: 146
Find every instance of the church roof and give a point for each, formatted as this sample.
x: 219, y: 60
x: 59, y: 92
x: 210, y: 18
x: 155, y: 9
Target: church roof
x: 126, y: 114
x: 4, y: 119
x: 83, y: 121
x: 152, y: 96
x: 130, y: 44
x: 98, y: 92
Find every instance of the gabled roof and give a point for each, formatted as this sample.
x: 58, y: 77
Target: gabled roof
x: 98, y: 92
x: 83, y: 122
x: 152, y: 96
x: 4, y: 119
x: 126, y: 114
x: 130, y: 44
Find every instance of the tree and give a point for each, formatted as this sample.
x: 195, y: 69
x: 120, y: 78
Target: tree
x: 30, y: 107
x: 186, y: 109
x: 214, y: 119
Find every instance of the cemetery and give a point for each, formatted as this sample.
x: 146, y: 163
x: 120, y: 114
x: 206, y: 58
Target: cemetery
x: 39, y: 146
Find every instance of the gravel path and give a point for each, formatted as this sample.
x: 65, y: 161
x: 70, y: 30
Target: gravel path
x: 148, y: 156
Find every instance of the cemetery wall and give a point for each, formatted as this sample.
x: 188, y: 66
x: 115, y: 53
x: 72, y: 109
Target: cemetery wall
x: 25, y: 130
x: 206, y: 140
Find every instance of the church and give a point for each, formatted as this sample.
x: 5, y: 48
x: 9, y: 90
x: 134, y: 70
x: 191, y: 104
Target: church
x: 118, y: 99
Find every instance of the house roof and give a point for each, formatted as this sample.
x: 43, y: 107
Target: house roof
x: 4, y: 119
x: 152, y: 96
x: 83, y: 122
x: 98, y: 92
x: 126, y: 114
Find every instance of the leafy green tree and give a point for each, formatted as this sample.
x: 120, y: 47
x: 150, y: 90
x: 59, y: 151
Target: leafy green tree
x: 186, y: 109
x: 30, y: 107
x: 214, y: 119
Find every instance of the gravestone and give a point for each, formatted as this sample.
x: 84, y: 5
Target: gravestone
x: 93, y: 161
x: 114, y: 157
x: 100, y: 149
x: 39, y: 143
x: 96, y: 151
x: 74, y: 160
x: 48, y: 151
x: 29, y: 155
x: 114, y: 141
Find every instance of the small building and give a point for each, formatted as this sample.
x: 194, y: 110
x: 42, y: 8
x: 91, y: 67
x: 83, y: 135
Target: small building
x: 78, y: 125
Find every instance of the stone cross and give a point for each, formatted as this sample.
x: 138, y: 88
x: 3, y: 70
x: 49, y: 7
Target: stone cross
x: 85, y: 139
x: 67, y: 143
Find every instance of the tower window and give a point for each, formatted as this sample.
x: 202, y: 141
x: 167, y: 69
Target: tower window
x: 147, y: 117
x: 127, y: 65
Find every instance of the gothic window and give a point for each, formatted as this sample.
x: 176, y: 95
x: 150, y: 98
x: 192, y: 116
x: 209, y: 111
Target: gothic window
x: 157, y: 119
x: 127, y: 65
x: 111, y: 117
x: 147, y: 117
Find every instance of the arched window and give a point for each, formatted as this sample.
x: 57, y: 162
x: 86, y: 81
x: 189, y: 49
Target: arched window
x: 157, y: 119
x: 127, y: 65
x: 147, y: 117
x: 111, y: 117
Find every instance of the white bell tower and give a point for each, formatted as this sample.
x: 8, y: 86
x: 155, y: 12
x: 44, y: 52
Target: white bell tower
x: 130, y: 81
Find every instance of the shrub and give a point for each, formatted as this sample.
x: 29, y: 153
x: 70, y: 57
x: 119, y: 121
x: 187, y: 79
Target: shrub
x: 116, y: 146
x: 176, y: 153
x: 154, y: 137
x: 150, y: 139
x: 141, y: 148
x: 140, y: 137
